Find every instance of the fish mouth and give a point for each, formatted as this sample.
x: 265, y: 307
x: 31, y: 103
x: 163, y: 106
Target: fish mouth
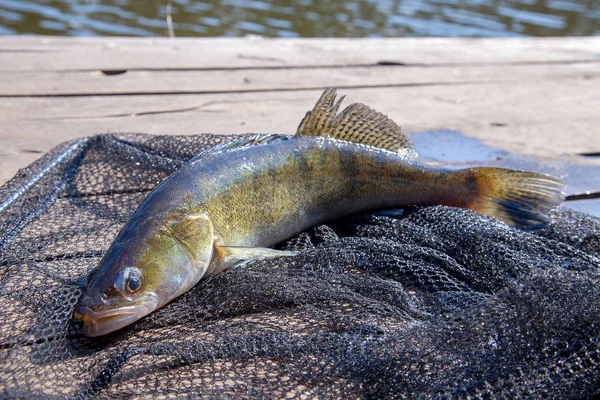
x: 97, y: 323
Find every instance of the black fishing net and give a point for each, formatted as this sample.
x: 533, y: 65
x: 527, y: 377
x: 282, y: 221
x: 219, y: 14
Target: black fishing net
x: 436, y: 302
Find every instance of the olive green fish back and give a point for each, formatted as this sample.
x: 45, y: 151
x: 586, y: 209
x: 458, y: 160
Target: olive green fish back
x: 357, y: 123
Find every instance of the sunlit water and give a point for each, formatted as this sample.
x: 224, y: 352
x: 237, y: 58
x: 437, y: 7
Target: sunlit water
x: 305, y: 18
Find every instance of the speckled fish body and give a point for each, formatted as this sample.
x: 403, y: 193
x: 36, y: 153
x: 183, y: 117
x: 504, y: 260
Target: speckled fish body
x: 230, y: 203
x: 261, y: 195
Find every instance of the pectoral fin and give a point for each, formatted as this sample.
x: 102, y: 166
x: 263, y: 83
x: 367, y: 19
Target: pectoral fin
x: 232, y: 257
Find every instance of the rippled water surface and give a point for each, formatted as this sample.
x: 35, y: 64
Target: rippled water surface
x: 305, y: 18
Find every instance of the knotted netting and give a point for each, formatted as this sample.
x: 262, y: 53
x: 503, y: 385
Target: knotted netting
x: 435, y: 302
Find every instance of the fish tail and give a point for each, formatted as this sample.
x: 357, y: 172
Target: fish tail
x: 518, y: 198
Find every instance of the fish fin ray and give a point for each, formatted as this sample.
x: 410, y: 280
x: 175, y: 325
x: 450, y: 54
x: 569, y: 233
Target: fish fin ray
x: 357, y: 123
x: 518, y: 198
x: 256, y: 140
x: 318, y: 120
x: 233, y: 255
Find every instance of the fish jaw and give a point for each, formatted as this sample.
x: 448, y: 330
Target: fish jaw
x: 101, y: 322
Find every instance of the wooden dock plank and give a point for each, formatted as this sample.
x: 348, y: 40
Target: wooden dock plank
x: 60, y: 83
x: 44, y: 53
x: 563, y: 118
x: 437, y: 106
x: 537, y: 96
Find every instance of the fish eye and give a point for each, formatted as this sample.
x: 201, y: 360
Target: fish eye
x: 133, y: 283
x: 129, y: 280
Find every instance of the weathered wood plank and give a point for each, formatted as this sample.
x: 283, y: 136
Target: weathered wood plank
x: 498, y: 105
x: 42, y: 54
x: 241, y: 80
x: 523, y: 117
x: 524, y: 95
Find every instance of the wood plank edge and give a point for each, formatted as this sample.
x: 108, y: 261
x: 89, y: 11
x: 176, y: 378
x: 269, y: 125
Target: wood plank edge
x: 288, y: 89
x: 259, y: 67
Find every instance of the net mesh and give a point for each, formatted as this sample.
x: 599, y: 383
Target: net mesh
x: 437, y: 302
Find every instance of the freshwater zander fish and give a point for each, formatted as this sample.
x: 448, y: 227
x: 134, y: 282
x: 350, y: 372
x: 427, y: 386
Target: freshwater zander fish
x: 230, y: 203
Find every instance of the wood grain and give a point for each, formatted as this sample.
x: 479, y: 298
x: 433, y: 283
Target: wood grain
x: 89, y: 83
x: 534, y: 96
x: 59, y: 53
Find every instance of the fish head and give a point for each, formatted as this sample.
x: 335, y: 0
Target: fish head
x: 141, y: 274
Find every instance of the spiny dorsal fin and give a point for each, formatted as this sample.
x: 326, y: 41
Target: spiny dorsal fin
x: 319, y: 118
x: 358, y: 123
x: 255, y: 140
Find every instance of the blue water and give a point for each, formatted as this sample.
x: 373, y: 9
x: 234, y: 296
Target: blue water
x: 304, y: 18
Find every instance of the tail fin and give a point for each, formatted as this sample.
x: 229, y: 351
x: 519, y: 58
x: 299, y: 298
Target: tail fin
x: 518, y: 198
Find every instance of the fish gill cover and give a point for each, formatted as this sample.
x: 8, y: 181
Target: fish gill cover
x: 438, y: 302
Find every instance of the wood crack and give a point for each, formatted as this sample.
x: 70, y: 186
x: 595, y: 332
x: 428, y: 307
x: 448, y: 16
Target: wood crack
x: 144, y: 113
x: 379, y: 63
x: 583, y: 196
x: 274, y: 90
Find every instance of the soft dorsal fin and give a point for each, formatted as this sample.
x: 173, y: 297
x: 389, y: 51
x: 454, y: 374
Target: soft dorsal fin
x: 358, y: 123
x: 255, y: 140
